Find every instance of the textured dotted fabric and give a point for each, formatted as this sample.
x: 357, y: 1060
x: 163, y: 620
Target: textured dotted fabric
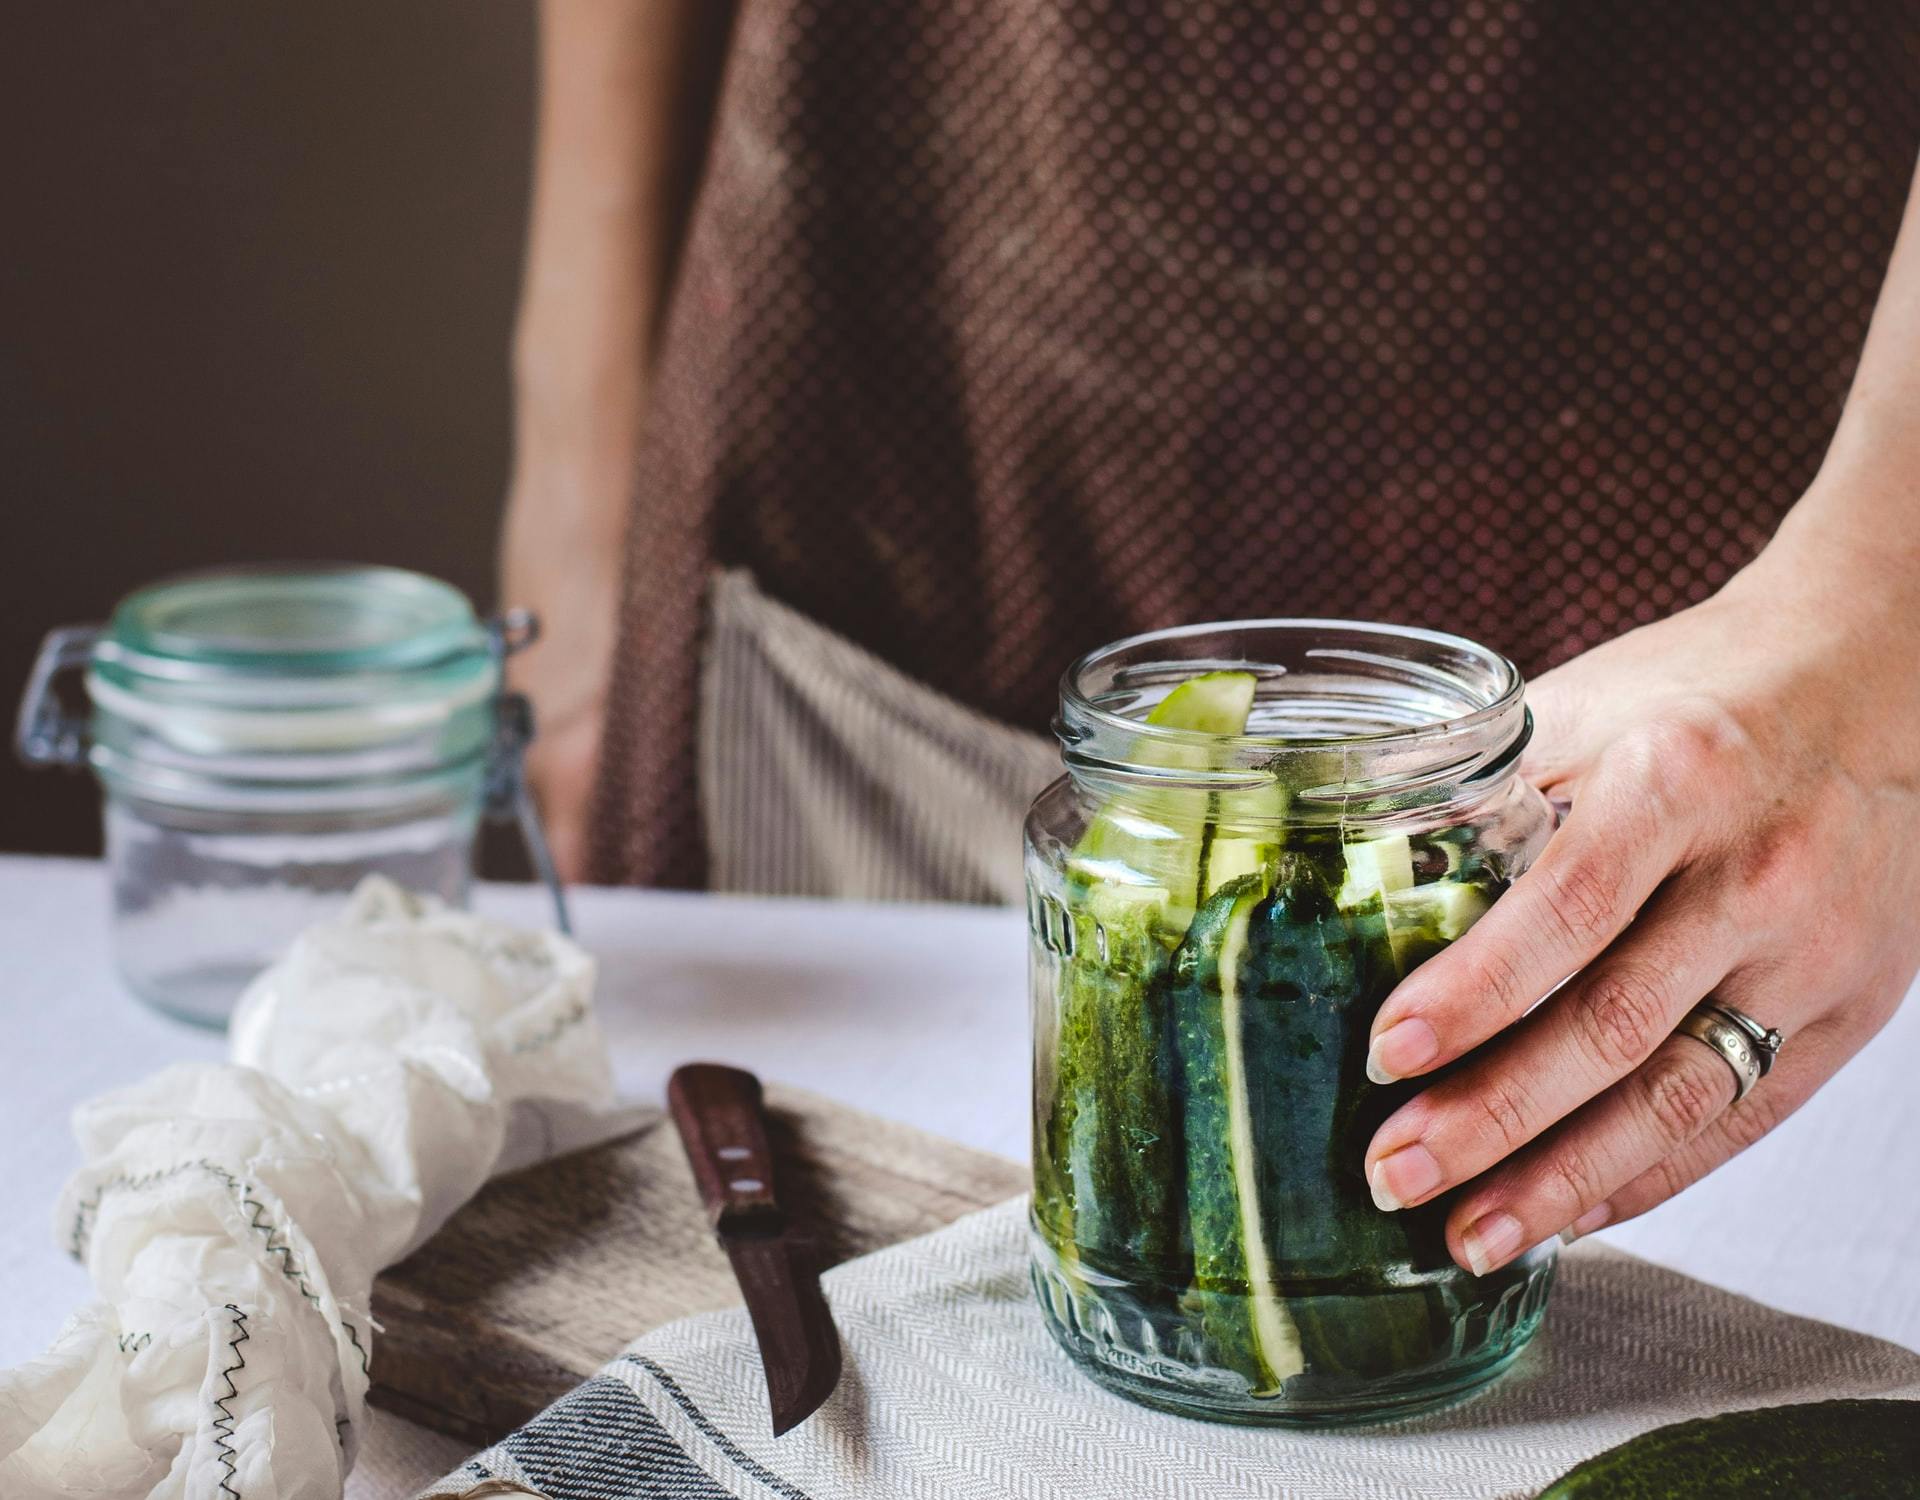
x: 1009, y: 327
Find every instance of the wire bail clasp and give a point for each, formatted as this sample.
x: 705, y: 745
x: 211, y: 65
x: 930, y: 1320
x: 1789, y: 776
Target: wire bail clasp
x: 509, y: 799
x: 45, y: 734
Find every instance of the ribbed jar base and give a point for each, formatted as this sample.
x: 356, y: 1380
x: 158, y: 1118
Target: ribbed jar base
x: 1371, y: 1355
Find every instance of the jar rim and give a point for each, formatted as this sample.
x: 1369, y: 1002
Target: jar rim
x: 276, y: 659
x: 1381, y: 707
x: 291, y: 620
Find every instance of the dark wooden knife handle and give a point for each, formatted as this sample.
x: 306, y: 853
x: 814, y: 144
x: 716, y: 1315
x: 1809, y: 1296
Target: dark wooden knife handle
x: 724, y: 1129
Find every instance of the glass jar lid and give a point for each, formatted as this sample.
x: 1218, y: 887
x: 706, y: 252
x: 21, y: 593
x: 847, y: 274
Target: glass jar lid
x: 292, y: 658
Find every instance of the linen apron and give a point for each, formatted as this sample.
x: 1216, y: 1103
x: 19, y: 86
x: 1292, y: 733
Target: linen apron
x: 826, y: 772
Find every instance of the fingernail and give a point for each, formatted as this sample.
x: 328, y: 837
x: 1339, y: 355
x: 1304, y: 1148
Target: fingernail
x: 1491, y: 1240
x: 1403, y: 1048
x: 1401, y: 1177
x: 1592, y: 1219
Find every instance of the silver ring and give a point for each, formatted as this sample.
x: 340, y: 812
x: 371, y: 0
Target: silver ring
x: 1766, y: 1039
x: 1742, y: 1042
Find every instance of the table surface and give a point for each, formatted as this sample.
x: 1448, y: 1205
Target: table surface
x: 914, y: 1012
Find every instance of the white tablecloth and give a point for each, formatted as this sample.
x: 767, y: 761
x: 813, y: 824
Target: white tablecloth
x: 918, y: 1013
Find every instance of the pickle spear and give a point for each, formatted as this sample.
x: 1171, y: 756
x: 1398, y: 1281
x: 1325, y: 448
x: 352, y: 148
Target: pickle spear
x: 1243, y: 1319
x: 1312, y: 983
x: 1111, y: 1184
x: 1159, y: 836
x: 1112, y: 1140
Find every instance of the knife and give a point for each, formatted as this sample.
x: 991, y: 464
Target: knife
x: 723, y: 1127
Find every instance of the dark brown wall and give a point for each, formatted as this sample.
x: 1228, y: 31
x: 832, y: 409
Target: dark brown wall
x: 255, y: 289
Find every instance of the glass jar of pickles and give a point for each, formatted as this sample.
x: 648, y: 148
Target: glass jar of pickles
x: 1263, y: 827
x: 265, y: 738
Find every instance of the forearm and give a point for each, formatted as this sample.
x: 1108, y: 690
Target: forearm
x: 1859, y: 521
x: 622, y: 122
x: 626, y: 95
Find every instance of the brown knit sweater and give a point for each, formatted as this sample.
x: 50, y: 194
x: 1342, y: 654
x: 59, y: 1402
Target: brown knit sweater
x: 1008, y: 327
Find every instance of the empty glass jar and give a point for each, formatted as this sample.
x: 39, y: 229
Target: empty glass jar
x: 264, y: 738
x: 1263, y: 827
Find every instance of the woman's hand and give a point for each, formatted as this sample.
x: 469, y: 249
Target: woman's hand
x: 1744, y: 781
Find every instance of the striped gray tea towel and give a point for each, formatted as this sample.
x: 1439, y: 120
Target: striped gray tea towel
x: 954, y: 1391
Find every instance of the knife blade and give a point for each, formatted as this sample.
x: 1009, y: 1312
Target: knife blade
x: 722, y: 1124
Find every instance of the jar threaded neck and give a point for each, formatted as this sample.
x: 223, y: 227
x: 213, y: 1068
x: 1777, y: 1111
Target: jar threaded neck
x: 1344, y: 712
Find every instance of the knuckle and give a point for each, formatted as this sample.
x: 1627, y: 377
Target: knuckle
x: 1506, y: 1111
x: 1682, y: 1096
x: 1574, y: 1177
x: 1622, y: 1013
x: 1580, y: 896
x: 1666, y: 764
x: 1774, y: 879
x: 1503, y: 991
x: 1421, y: 1118
x: 1695, y: 738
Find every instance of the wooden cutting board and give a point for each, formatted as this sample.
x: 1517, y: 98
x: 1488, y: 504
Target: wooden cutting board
x: 549, y: 1272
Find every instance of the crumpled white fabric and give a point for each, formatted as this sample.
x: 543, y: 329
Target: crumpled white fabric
x: 233, y: 1216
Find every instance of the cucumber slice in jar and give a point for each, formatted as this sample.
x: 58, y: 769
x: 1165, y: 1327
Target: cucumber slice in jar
x: 1375, y: 867
x: 1417, y: 920
x: 1273, y: 993
x: 1441, y: 911
x: 1377, y: 870
x: 1232, y: 857
x: 1159, y: 837
x: 1134, y: 1188
x: 1243, y: 1320
x: 1210, y: 703
x: 1423, y: 920
x: 1109, y: 1184
x: 1245, y: 832
x: 1100, y: 1183
x: 1311, y: 989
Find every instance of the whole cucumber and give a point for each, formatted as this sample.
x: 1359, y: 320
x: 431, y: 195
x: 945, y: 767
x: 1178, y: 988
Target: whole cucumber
x: 1860, y: 1450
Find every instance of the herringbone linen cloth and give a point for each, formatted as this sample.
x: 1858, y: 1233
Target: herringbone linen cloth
x: 954, y: 1391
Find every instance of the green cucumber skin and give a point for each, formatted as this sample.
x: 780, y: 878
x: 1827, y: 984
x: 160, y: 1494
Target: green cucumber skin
x: 1057, y: 1067
x: 1081, y: 1203
x: 1141, y: 1172
x: 1111, y: 1181
x: 1067, y: 1140
x: 1369, y: 1105
x: 1301, y: 984
x: 1316, y: 980
x: 1859, y: 1450
x: 1218, y: 1300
